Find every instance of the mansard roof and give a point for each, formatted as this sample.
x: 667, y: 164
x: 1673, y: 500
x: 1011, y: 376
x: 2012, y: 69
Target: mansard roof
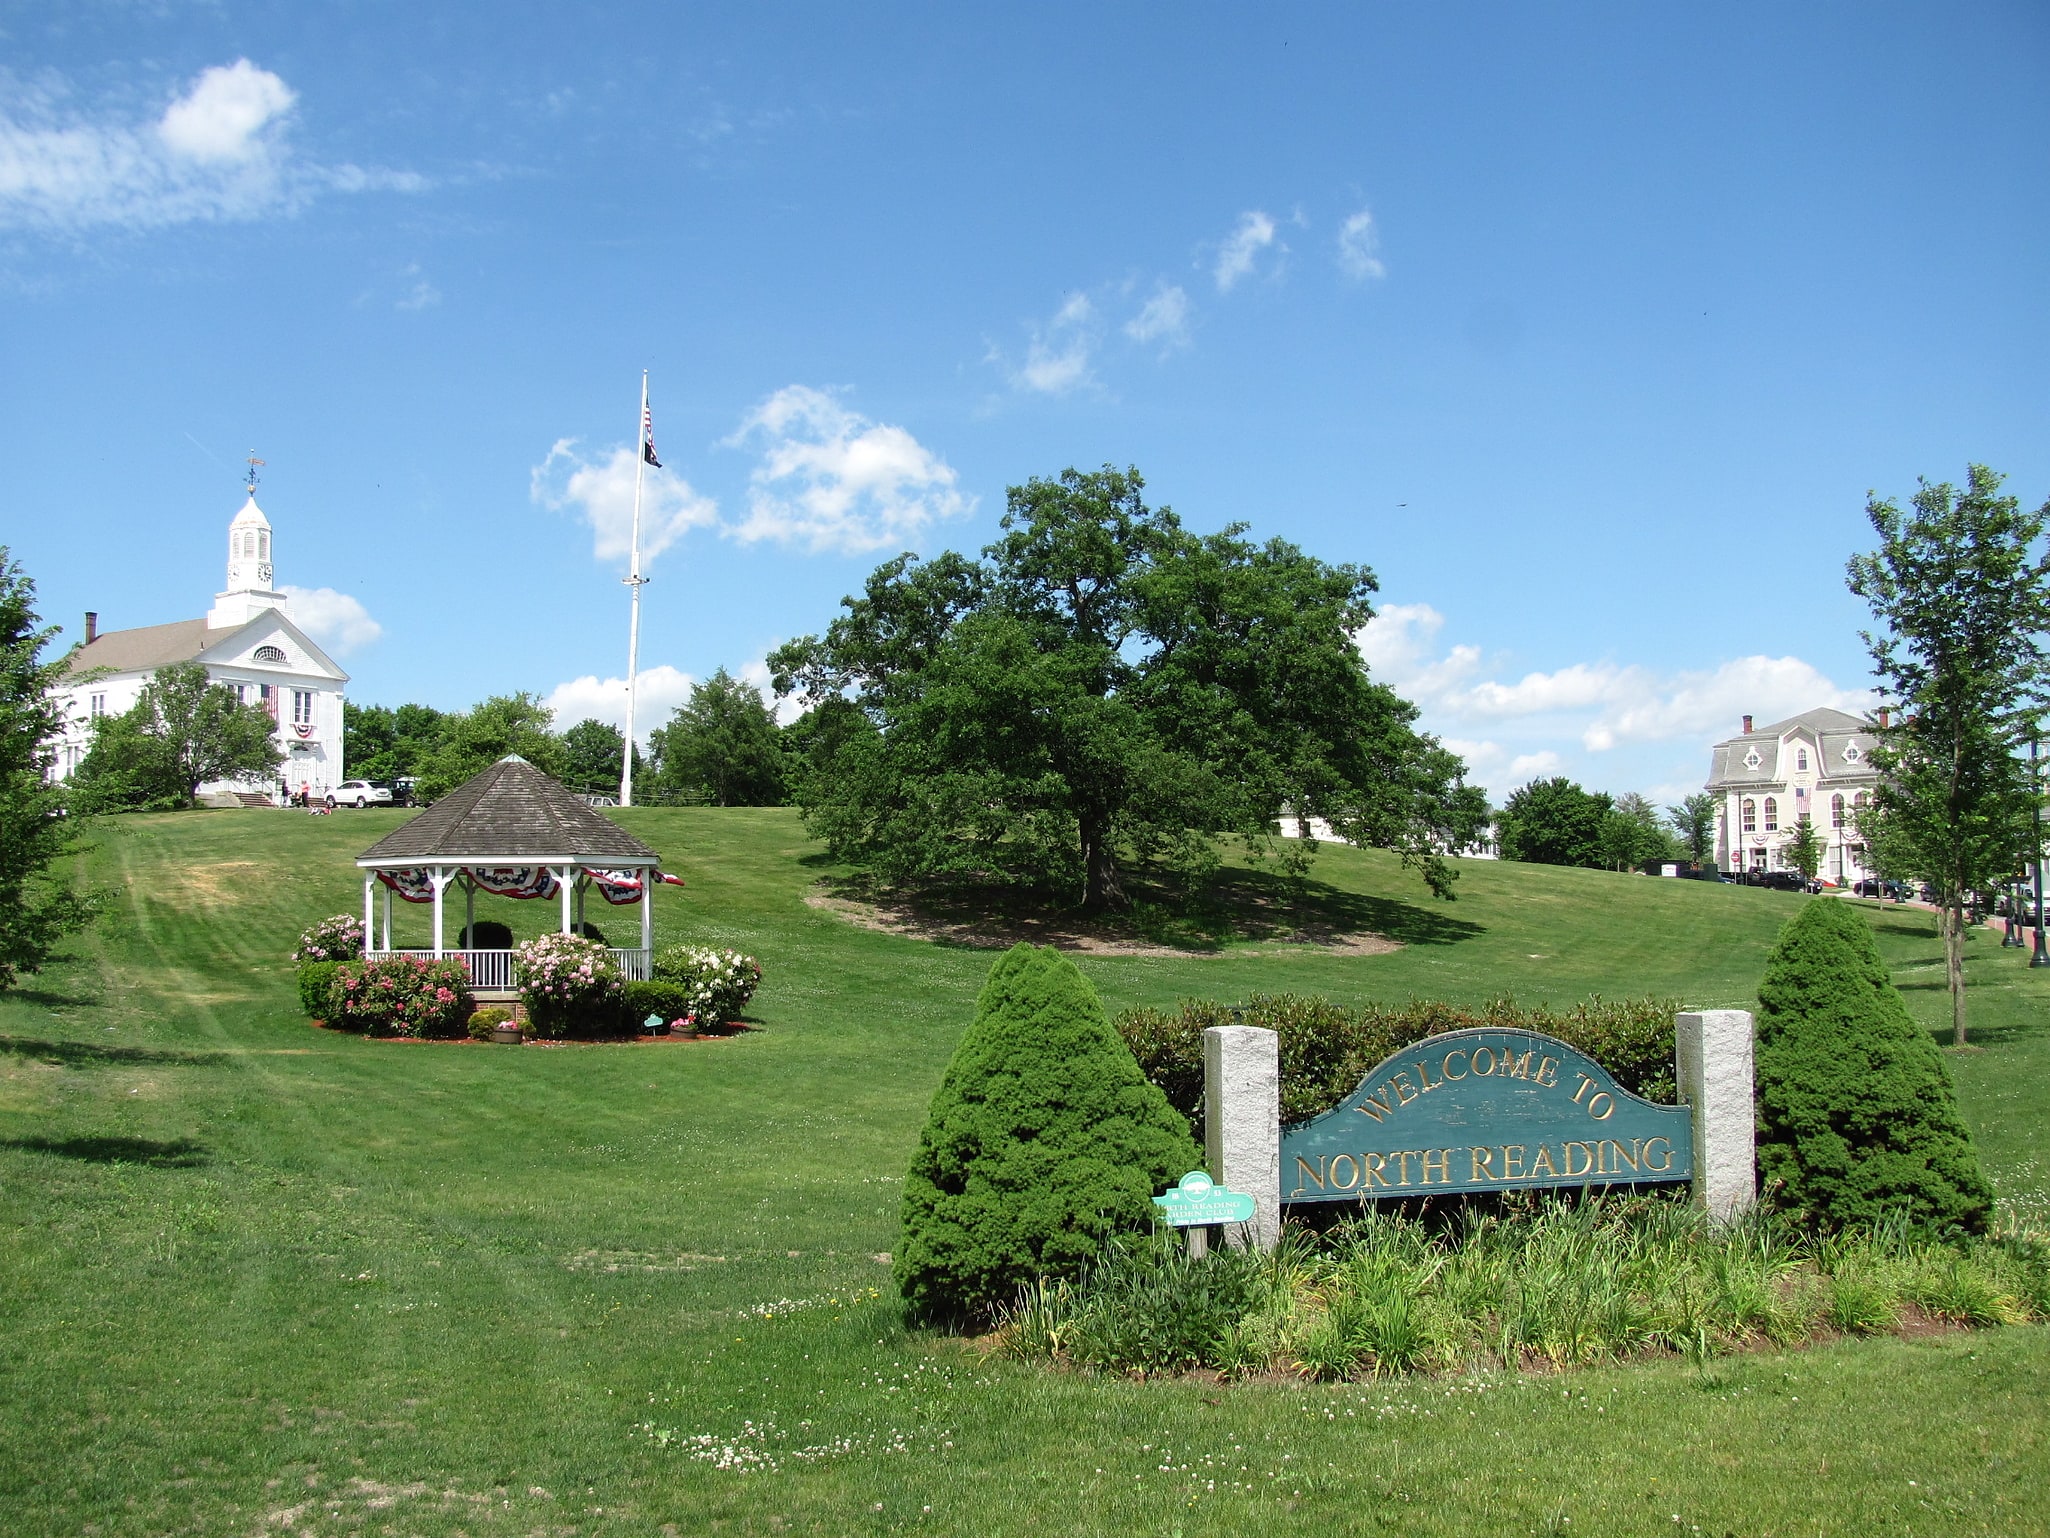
x: 1833, y: 732
x: 511, y: 814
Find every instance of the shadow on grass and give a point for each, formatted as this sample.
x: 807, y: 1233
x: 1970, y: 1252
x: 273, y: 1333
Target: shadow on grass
x: 177, y: 1154
x: 1237, y: 906
x: 89, y: 1054
x: 46, y: 998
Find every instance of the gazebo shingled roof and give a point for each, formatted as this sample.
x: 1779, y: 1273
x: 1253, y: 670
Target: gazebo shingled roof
x: 510, y: 814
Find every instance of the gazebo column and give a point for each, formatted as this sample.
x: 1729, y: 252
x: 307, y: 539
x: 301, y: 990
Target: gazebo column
x: 566, y: 877
x: 440, y: 876
x: 369, y: 908
x: 387, y: 916
x: 469, y: 911
x: 648, y: 916
x: 582, y: 882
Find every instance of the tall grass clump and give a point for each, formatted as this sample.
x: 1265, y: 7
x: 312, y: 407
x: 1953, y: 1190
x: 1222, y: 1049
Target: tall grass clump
x: 1857, y: 1120
x: 1327, y: 1048
x: 1042, y: 1143
x: 1552, y: 1284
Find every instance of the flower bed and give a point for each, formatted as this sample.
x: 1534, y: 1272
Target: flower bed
x: 337, y: 939
x: 717, y: 983
x: 571, y: 986
x: 401, y: 996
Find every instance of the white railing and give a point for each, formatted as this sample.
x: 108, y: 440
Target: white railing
x: 492, y: 971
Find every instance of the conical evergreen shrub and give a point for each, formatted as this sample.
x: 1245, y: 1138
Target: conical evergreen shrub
x: 1856, y: 1115
x: 1043, y: 1140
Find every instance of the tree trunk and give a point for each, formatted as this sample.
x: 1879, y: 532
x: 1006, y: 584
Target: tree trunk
x: 1953, y: 927
x: 1101, y: 888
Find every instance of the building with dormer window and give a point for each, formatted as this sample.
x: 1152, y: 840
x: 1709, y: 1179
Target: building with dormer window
x: 1818, y: 766
x: 247, y: 641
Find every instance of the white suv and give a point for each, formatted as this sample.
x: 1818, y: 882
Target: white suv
x: 359, y: 794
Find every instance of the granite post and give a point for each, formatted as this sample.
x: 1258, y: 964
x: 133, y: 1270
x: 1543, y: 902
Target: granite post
x: 1712, y: 1056
x: 1242, y: 1123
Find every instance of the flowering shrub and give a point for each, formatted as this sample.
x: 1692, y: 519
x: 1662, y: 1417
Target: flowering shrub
x: 400, y: 996
x: 316, y: 982
x: 571, y: 986
x: 719, y: 982
x: 337, y: 939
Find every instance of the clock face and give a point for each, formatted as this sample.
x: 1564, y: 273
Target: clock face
x: 263, y: 572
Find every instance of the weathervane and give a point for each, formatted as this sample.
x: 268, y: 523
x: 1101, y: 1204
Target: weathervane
x: 253, y: 463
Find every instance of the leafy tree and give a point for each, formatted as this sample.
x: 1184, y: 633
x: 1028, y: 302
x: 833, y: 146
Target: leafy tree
x: 36, y: 909
x: 382, y: 743
x: 1044, y: 1140
x: 1803, y: 847
x: 1105, y: 686
x: 723, y: 745
x: 1694, y: 821
x: 474, y: 740
x: 1856, y: 1115
x: 1960, y: 586
x: 594, y: 755
x: 184, y: 731
x: 1553, y: 822
x: 1632, y: 835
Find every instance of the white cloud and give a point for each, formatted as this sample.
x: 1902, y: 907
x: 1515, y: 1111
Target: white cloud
x: 1057, y: 359
x: 1164, y: 318
x: 785, y: 710
x: 1255, y: 233
x: 219, y: 150
x: 1359, y: 247
x: 602, y: 492
x: 591, y: 698
x: 421, y: 295
x: 339, y: 622
x: 1510, y: 730
x: 831, y: 479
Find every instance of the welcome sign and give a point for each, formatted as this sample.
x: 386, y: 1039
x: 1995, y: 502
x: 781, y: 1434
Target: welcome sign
x: 1484, y: 1110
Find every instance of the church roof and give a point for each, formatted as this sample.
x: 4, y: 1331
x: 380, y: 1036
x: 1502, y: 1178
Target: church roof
x: 250, y: 514
x: 510, y: 814
x: 146, y: 649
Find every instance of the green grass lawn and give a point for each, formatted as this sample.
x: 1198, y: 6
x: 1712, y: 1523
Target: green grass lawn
x: 256, y: 1278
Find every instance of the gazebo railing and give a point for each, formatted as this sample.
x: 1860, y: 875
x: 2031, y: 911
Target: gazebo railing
x: 492, y: 971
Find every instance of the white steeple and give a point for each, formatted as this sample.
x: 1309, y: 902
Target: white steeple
x: 249, y: 590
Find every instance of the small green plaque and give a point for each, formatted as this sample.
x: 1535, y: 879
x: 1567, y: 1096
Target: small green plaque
x: 1197, y: 1200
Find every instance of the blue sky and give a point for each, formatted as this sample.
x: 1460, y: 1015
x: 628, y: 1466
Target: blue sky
x: 1588, y: 328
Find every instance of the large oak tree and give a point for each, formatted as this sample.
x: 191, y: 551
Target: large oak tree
x: 1104, y: 686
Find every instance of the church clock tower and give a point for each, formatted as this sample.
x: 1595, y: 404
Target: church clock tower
x: 250, y: 576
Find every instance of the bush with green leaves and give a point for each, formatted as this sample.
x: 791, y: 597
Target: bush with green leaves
x: 1856, y: 1118
x: 720, y: 982
x: 570, y: 986
x: 316, y: 987
x: 1042, y: 1143
x: 485, y: 1021
x: 400, y: 996
x: 1326, y: 1048
x: 337, y: 939
x: 670, y: 1002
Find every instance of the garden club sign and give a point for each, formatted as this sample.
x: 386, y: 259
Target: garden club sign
x: 1484, y: 1110
x: 1479, y: 1110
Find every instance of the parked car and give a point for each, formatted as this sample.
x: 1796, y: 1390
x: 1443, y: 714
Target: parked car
x: 1703, y: 873
x: 359, y: 794
x: 405, y: 791
x: 1872, y: 886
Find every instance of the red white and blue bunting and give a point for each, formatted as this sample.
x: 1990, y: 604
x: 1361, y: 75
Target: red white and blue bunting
x: 524, y: 882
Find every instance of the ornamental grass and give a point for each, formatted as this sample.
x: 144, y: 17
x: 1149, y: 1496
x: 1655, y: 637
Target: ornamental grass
x: 1553, y: 1285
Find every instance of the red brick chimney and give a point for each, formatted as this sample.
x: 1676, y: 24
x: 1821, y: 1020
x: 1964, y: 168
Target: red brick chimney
x: 1885, y: 715
x: 1747, y: 726
x: 92, y: 627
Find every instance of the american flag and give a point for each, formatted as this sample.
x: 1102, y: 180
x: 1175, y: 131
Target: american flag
x: 648, y: 438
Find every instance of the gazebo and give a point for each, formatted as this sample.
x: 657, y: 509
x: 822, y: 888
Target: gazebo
x: 511, y: 831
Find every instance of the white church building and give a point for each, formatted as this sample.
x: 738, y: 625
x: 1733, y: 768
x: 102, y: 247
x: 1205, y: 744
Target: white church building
x: 1815, y: 766
x: 247, y: 641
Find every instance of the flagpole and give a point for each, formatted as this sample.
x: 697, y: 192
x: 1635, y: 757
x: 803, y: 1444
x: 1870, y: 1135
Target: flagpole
x: 634, y: 581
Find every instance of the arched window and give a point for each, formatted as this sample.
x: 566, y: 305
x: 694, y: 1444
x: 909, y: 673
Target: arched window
x: 1750, y: 815
x: 1836, y: 811
x: 263, y: 554
x: 1801, y: 759
x: 269, y: 654
x: 1862, y: 799
x: 1772, y: 814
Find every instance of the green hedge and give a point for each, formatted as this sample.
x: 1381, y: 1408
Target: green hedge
x: 316, y: 981
x: 672, y: 1001
x: 1326, y: 1048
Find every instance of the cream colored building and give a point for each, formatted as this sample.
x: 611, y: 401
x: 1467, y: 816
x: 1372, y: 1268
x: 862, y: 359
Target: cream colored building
x: 1816, y: 765
x: 247, y: 641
